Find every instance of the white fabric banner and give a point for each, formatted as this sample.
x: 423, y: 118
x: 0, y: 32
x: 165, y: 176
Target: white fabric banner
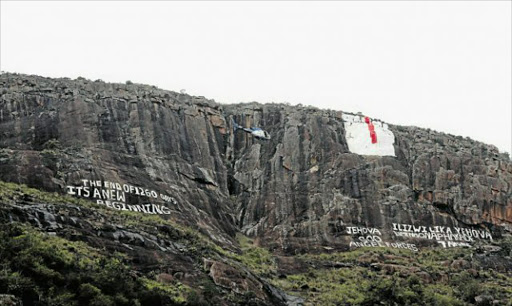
x: 359, y: 140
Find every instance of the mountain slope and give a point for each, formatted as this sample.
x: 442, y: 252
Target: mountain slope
x: 136, y: 151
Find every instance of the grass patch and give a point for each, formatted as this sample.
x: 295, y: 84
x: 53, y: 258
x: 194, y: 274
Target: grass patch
x: 259, y: 260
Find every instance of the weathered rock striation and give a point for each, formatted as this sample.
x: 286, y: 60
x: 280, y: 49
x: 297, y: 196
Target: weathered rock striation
x: 298, y: 192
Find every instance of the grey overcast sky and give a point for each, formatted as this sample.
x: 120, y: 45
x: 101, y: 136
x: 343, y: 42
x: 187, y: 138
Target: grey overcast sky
x: 434, y: 64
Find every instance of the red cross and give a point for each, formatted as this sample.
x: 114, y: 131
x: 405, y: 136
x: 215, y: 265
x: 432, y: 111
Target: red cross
x: 373, y: 135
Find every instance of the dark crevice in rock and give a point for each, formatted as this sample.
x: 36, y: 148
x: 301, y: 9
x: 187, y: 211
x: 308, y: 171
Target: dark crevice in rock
x: 444, y: 207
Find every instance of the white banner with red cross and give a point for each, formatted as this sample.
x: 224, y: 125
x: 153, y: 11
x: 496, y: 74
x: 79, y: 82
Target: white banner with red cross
x: 368, y: 137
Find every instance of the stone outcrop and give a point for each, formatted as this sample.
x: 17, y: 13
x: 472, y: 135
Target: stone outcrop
x: 298, y: 191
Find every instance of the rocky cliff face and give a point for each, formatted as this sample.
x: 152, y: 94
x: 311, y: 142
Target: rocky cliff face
x: 304, y: 187
x: 302, y: 191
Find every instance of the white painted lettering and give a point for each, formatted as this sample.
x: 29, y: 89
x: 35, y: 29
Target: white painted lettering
x: 71, y: 190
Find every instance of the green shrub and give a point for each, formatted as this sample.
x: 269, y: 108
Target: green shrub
x: 37, y: 267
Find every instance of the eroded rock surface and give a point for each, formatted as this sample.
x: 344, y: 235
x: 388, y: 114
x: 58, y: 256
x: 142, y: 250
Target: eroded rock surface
x: 298, y: 191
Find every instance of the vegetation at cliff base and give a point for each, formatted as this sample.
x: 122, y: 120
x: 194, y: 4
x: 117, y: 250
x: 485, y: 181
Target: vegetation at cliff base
x: 387, y: 276
x: 371, y: 276
x: 258, y: 259
x: 42, y: 267
x: 52, y: 269
x: 56, y: 271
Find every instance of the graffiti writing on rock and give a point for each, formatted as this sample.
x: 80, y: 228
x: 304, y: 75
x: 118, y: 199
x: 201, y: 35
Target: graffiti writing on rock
x: 113, y: 195
x: 444, y: 235
x: 372, y: 237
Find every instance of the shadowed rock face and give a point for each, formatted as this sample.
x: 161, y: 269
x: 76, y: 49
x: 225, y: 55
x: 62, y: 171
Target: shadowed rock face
x: 298, y: 191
